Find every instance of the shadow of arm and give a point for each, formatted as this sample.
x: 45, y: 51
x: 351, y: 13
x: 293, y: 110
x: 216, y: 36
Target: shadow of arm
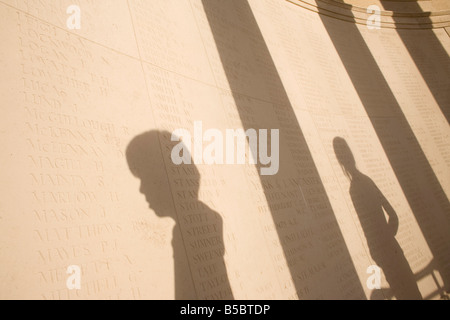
x: 393, y: 221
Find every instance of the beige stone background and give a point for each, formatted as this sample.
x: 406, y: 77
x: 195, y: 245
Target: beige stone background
x: 73, y: 100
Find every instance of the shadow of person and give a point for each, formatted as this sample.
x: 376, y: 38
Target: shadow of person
x: 380, y: 233
x: 197, y: 240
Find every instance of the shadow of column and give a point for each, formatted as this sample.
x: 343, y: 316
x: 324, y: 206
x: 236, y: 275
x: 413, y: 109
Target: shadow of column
x: 422, y: 189
x: 425, y: 54
x: 319, y: 261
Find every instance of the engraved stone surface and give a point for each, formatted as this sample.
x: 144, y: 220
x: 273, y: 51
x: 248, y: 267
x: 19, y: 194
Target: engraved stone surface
x: 88, y: 177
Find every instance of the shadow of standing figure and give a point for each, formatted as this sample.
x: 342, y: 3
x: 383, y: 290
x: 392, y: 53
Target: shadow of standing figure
x: 197, y: 241
x: 380, y: 233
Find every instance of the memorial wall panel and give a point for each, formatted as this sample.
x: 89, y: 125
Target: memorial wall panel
x: 345, y: 153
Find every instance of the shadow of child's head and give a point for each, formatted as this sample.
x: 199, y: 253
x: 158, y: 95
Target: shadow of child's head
x: 146, y: 155
x: 345, y: 156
